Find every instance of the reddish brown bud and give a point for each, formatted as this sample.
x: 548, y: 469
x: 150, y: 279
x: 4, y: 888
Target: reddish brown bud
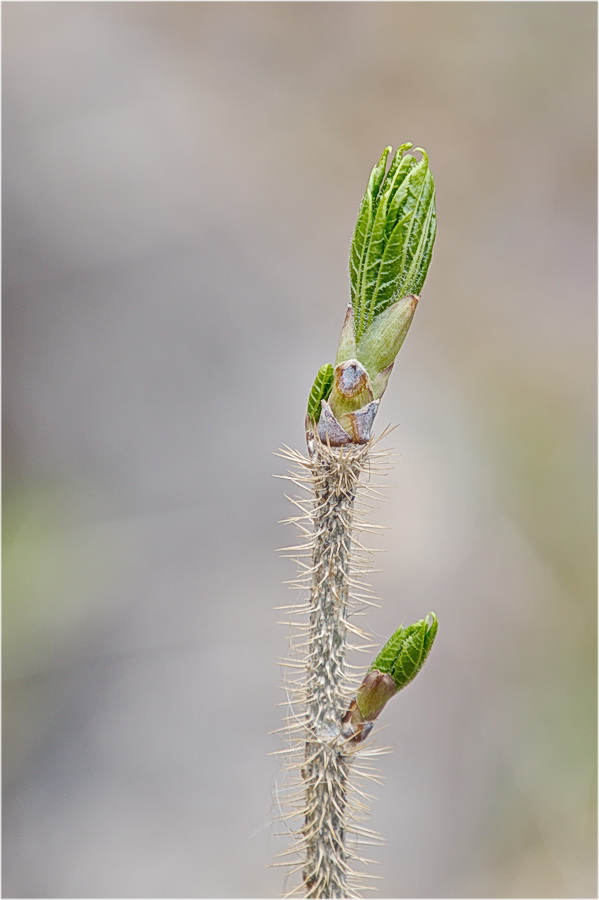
x: 374, y: 692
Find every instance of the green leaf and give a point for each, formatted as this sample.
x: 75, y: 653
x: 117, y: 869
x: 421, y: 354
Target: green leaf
x: 364, y: 223
x: 321, y: 389
x: 406, y: 651
x: 394, y: 236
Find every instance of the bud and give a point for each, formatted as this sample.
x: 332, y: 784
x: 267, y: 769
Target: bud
x: 390, y: 254
x: 371, y: 698
x: 351, y: 388
x: 396, y: 665
x: 374, y: 692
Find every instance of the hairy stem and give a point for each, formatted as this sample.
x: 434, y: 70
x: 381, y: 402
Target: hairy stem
x: 335, y: 476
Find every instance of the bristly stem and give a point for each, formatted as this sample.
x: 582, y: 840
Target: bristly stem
x: 335, y: 476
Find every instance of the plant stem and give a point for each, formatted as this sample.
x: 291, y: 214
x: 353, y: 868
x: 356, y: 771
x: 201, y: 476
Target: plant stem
x: 335, y: 476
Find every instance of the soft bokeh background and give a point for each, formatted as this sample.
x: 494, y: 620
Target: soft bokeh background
x: 180, y: 187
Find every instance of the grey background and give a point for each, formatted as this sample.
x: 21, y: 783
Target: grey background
x: 180, y: 187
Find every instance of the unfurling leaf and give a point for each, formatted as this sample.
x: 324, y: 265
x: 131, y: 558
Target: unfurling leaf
x: 320, y: 391
x: 406, y: 651
x: 394, y: 236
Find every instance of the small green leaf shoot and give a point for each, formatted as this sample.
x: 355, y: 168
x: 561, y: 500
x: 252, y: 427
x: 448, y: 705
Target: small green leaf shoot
x: 394, y: 236
x: 321, y: 389
x: 406, y: 651
x: 397, y: 664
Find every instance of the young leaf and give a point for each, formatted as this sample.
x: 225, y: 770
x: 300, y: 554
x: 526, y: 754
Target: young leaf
x: 406, y: 651
x: 321, y: 389
x: 364, y: 224
x: 394, y: 236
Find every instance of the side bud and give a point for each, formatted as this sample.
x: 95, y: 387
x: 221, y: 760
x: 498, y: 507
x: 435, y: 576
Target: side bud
x: 396, y: 665
x: 374, y: 692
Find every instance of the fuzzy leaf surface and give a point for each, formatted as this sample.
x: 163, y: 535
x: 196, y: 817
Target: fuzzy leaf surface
x: 394, y: 236
x: 406, y: 651
x: 321, y: 389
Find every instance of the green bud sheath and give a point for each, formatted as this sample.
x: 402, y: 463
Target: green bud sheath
x: 382, y: 341
x: 346, y: 348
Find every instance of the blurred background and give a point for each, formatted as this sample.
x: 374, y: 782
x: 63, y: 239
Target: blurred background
x: 180, y: 187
